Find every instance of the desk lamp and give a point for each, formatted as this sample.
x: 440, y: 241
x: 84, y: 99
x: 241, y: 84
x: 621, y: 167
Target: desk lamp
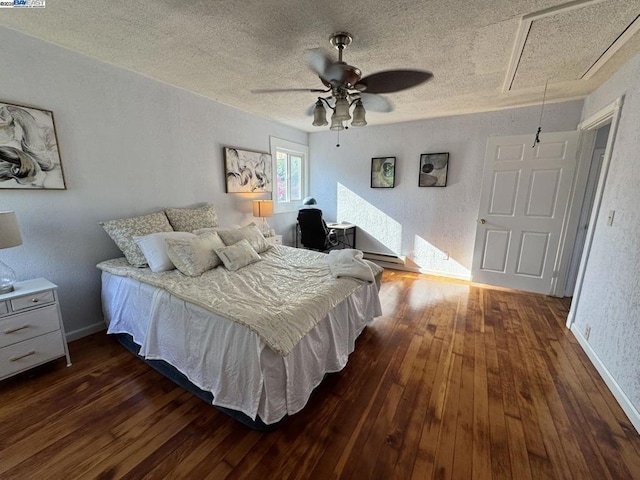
x: 9, y: 237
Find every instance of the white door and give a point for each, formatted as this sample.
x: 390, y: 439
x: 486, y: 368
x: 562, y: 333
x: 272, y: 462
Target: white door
x: 525, y: 192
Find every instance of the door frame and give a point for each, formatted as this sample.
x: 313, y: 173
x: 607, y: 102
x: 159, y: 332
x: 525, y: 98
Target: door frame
x: 608, y: 114
x: 585, y: 215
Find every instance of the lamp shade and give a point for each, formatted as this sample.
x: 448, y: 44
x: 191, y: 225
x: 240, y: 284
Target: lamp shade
x: 9, y: 231
x: 359, y: 119
x: 336, y: 123
x: 263, y: 208
x: 342, y: 109
x: 319, y: 115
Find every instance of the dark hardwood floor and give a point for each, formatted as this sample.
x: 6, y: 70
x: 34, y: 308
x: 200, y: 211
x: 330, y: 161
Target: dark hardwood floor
x: 455, y: 381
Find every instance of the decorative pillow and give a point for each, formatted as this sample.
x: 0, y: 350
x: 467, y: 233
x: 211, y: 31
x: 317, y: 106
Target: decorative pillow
x: 194, y: 256
x: 214, y: 229
x: 123, y: 230
x: 154, y: 248
x: 251, y: 233
x: 238, y: 255
x: 190, y: 219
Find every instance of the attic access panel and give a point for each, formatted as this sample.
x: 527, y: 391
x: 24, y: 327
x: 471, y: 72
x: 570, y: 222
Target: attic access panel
x: 564, y: 43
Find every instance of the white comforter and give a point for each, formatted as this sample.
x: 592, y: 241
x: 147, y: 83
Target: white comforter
x: 281, y: 297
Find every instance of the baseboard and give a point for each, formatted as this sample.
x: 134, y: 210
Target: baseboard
x: 405, y: 268
x: 385, y: 257
x: 628, y: 408
x: 395, y: 266
x: 457, y: 276
x: 85, y: 331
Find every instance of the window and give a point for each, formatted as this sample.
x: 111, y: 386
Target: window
x: 290, y: 174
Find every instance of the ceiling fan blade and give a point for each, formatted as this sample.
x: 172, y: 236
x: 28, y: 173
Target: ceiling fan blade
x: 280, y: 90
x: 376, y: 103
x: 389, y: 81
x: 328, y: 70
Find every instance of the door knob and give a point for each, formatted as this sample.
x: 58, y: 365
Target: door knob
x: 483, y: 221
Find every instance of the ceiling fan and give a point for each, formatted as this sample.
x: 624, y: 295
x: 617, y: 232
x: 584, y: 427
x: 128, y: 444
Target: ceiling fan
x: 346, y: 87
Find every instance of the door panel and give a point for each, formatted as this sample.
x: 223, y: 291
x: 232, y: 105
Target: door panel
x: 533, y: 254
x: 543, y: 193
x: 525, y: 192
x: 497, y: 245
x: 505, y: 189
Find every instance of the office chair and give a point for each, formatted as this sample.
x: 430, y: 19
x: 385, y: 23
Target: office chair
x: 314, y: 233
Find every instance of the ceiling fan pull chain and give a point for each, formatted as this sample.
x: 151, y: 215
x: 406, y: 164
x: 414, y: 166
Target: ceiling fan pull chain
x: 544, y: 97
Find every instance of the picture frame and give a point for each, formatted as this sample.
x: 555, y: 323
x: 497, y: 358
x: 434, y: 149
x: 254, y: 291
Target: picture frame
x: 433, y: 169
x: 383, y: 172
x: 29, y: 153
x: 247, y: 171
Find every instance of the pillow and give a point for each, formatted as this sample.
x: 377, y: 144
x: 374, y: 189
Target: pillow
x: 194, y: 256
x: 189, y: 219
x: 215, y: 229
x: 123, y: 230
x: 238, y: 255
x: 154, y: 248
x: 251, y: 233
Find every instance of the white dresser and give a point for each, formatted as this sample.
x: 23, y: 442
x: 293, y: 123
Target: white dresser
x: 31, y: 329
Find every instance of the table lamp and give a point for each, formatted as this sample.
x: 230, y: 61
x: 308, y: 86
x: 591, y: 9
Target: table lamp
x: 263, y: 209
x: 9, y: 237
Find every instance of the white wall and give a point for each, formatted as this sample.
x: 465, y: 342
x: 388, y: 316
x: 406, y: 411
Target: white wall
x: 610, y: 297
x: 423, y: 223
x: 129, y: 146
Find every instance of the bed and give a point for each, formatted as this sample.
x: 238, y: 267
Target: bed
x: 254, y: 342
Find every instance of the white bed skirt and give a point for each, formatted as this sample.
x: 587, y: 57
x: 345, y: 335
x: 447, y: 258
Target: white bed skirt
x: 227, y: 359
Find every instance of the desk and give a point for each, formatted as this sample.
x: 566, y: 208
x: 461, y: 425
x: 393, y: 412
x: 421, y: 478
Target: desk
x: 346, y: 233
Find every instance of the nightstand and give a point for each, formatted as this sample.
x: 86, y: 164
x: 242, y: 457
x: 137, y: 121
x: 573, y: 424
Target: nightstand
x: 31, y: 330
x: 274, y: 239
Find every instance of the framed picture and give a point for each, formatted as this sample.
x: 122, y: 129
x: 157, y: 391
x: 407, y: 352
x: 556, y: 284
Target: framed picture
x: 383, y: 172
x: 29, y: 155
x: 433, y: 170
x: 246, y: 171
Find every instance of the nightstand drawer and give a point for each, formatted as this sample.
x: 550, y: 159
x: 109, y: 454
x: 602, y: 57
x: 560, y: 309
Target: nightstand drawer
x: 274, y: 239
x: 28, y: 301
x: 4, y: 309
x: 27, y: 325
x: 24, y: 355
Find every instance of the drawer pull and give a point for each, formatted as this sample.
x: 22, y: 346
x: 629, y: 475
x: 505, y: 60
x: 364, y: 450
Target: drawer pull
x: 20, y: 357
x: 35, y: 300
x: 17, y: 329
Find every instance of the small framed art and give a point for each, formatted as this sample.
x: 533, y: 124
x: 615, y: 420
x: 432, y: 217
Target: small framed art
x: 383, y: 172
x: 433, y: 170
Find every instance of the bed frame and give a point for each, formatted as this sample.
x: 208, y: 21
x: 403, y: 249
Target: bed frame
x: 177, y: 377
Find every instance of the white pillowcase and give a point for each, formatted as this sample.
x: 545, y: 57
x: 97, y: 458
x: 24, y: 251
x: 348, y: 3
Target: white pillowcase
x: 194, y: 256
x: 154, y: 249
x: 238, y: 255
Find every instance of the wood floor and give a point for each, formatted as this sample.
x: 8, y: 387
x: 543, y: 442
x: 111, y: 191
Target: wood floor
x: 455, y: 381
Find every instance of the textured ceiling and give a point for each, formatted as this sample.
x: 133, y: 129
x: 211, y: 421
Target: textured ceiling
x: 225, y: 49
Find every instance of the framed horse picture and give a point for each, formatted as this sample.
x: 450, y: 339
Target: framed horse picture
x: 29, y: 154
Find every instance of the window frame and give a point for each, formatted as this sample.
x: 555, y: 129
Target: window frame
x: 298, y: 149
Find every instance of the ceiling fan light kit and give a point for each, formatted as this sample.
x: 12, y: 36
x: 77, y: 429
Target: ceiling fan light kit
x: 345, y: 86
